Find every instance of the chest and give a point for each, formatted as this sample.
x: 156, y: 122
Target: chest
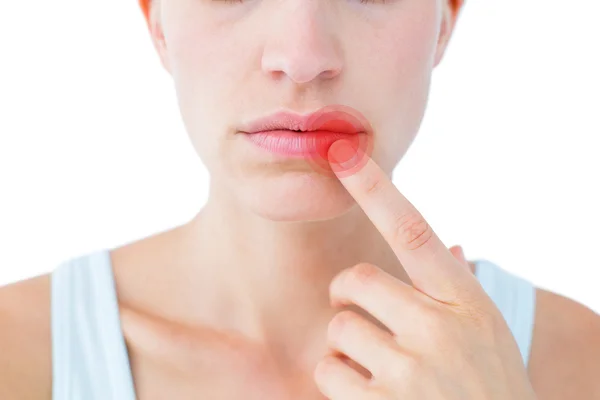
x: 169, y: 362
x: 218, y: 377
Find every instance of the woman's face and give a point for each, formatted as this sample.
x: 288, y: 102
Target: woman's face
x: 236, y: 60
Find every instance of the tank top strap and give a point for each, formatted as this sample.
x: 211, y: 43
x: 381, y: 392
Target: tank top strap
x: 515, y: 297
x: 89, y: 356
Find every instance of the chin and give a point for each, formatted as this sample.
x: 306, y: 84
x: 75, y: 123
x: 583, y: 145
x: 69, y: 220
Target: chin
x: 295, y: 197
x: 281, y: 188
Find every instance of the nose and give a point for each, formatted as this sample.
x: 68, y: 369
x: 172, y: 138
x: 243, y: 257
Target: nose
x: 301, y: 42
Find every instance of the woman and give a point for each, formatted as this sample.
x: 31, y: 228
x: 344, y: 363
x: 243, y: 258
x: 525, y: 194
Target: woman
x: 307, y: 274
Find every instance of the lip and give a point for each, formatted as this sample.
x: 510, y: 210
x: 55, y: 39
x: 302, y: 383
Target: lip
x: 309, y: 136
x: 311, y: 144
x: 336, y: 119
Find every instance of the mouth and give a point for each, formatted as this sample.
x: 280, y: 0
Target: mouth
x: 308, y: 136
x: 333, y: 119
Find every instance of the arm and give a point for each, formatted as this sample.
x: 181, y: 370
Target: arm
x: 25, y: 349
x: 565, y: 354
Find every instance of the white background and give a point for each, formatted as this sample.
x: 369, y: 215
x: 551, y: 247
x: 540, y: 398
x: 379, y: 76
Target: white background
x: 93, y: 153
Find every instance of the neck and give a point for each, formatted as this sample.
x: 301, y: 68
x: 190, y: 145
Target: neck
x: 270, y: 280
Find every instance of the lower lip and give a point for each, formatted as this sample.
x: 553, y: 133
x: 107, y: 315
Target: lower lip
x: 297, y: 144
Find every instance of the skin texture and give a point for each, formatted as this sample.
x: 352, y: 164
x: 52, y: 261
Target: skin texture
x: 301, y: 56
x: 457, y: 344
x: 237, y: 300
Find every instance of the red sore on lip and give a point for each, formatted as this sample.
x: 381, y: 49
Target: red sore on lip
x: 346, y: 156
x: 318, y: 133
x: 343, y: 153
x: 336, y: 125
x: 342, y: 119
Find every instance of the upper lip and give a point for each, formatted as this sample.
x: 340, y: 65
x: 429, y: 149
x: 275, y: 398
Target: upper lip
x: 342, y: 119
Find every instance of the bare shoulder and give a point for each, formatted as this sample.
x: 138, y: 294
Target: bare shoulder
x: 25, y: 339
x: 565, y: 352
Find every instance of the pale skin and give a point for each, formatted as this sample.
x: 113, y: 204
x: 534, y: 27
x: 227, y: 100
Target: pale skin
x: 244, y: 297
x: 451, y: 341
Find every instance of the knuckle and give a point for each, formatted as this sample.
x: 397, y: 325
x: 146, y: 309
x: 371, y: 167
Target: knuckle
x: 326, y: 367
x: 363, y: 274
x: 340, y: 323
x: 412, y: 231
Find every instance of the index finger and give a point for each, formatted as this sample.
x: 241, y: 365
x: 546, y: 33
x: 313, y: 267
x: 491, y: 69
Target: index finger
x: 429, y: 264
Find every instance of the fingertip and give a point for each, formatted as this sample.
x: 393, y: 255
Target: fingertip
x: 342, y: 154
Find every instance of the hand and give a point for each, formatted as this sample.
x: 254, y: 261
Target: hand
x: 446, y: 340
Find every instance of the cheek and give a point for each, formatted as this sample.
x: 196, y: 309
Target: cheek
x: 390, y: 59
x: 205, y: 69
x: 404, y: 49
x: 199, y: 61
x: 400, y: 60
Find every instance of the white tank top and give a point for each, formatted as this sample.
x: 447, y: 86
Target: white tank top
x: 89, y: 356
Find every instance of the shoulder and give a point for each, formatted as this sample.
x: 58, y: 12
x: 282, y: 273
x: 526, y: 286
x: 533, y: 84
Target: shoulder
x: 25, y: 339
x: 565, y: 352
